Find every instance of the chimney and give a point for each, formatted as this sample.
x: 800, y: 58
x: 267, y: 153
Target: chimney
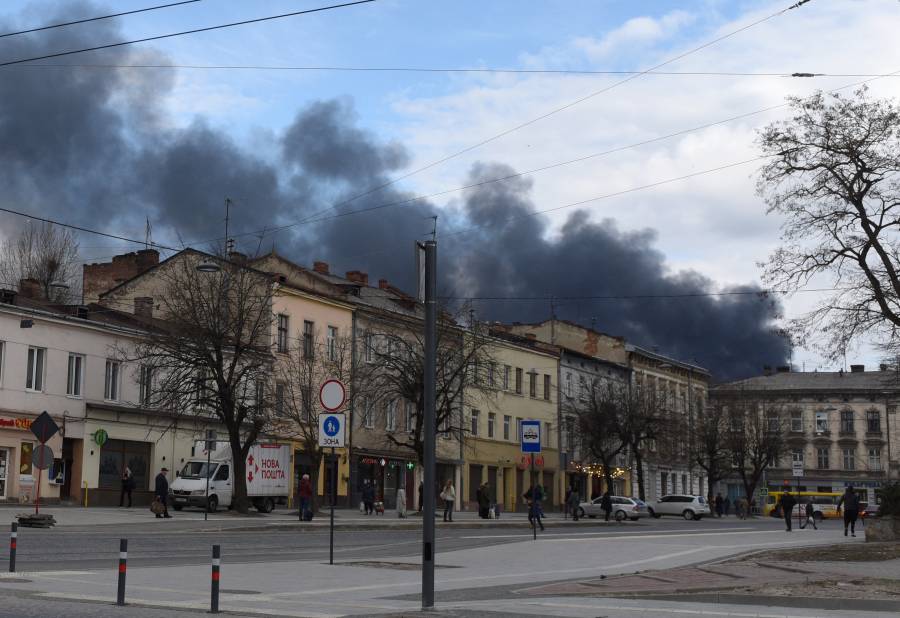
x: 783, y: 369
x: 358, y: 276
x: 321, y: 267
x: 31, y: 288
x: 857, y: 368
x: 99, y: 278
x: 143, y: 306
x: 383, y: 284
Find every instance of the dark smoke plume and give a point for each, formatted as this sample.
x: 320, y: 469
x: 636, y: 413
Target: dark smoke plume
x: 95, y: 147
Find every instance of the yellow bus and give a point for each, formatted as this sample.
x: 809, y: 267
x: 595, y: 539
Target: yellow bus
x: 824, y: 503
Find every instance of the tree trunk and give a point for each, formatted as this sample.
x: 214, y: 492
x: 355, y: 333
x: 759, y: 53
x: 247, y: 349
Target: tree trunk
x: 314, y: 480
x: 639, y: 464
x: 239, y: 501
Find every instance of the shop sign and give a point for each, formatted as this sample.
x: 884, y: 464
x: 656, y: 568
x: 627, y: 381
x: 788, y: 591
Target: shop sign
x: 372, y: 461
x: 15, y: 423
x: 100, y: 437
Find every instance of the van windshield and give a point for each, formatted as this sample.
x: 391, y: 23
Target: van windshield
x: 197, y: 470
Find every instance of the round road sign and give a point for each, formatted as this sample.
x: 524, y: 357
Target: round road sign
x: 42, y: 457
x: 332, y: 395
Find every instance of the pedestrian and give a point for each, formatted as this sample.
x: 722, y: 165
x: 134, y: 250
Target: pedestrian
x: 742, y: 508
x: 533, y: 498
x: 304, y: 492
x: 421, y: 496
x: 484, y: 501
x: 606, y: 505
x: 127, y: 486
x: 449, y: 497
x: 720, y: 507
x: 368, y: 496
x: 161, y: 493
x: 787, y: 509
x: 726, y: 504
x: 401, y: 503
x: 810, y: 512
x: 850, y: 501
x: 574, y: 502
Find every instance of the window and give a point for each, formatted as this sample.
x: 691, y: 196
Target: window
x: 476, y: 374
x: 475, y: 415
x: 492, y: 367
x: 76, y: 371
x: 846, y: 421
x: 532, y: 384
x: 518, y: 380
x: 115, y: 455
x: 773, y: 422
x: 506, y: 369
x: 222, y: 473
x: 849, y: 459
x: 259, y: 396
x: 25, y: 457
x: 822, y: 458
x: 797, y: 421
x: 569, y: 385
x: 146, y: 385
x: 797, y: 456
x: 369, y: 347
x: 546, y: 387
x: 410, y: 417
x: 518, y: 429
x: 875, y: 459
x: 570, y: 434
x: 331, y: 342
x: 506, y: 422
x: 306, y: 401
x: 582, y: 389
x: 34, y: 377
x: 368, y: 416
x: 492, y: 418
x: 391, y: 416
x: 546, y: 436
x: 111, y: 381
x: 873, y: 421
x: 821, y: 422
x: 281, y: 342
x: 279, y: 399
x: 1, y: 362
x: 308, y: 339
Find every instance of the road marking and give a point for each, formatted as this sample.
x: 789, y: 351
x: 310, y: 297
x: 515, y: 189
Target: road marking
x: 634, y: 535
x: 649, y: 611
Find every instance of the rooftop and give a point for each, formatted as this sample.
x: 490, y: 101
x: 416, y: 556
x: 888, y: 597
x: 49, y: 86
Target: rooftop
x: 817, y: 380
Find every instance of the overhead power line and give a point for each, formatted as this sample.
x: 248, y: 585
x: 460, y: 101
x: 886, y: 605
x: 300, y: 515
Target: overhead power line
x: 90, y: 19
x: 555, y: 298
x: 183, y: 33
x: 555, y: 111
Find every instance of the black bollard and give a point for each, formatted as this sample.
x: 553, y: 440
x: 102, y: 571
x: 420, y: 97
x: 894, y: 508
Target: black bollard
x: 216, y: 564
x: 13, y: 536
x: 123, y: 559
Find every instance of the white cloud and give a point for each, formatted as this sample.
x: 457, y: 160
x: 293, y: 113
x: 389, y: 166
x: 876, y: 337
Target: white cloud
x: 636, y: 32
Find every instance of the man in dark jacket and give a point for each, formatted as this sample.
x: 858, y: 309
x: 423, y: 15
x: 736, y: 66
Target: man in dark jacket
x: 787, y: 509
x: 850, y: 501
x: 606, y: 505
x: 162, y: 492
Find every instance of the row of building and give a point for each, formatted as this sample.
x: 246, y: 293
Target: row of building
x: 67, y: 360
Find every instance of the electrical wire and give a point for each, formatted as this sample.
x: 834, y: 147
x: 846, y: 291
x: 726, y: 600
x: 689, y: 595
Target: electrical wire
x: 184, y: 32
x: 90, y: 19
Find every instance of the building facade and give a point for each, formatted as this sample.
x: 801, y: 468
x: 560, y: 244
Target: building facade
x: 840, y: 426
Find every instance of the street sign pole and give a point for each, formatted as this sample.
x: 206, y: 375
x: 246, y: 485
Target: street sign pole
x: 332, y: 433
x: 333, y: 492
x: 428, y: 548
x: 534, y: 507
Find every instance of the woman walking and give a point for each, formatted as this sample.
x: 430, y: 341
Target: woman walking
x: 449, y: 497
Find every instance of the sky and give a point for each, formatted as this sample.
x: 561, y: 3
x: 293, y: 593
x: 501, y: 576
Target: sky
x: 284, y: 145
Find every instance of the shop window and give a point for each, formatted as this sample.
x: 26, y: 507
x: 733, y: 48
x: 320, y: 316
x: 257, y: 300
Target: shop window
x: 116, y: 454
x: 25, y: 457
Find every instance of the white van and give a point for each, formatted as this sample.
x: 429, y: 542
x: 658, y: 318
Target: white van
x: 268, y: 478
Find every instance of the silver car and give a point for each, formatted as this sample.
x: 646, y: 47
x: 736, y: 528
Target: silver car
x: 622, y: 508
x: 689, y: 507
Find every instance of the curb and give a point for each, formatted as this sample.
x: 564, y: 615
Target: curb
x: 836, y: 603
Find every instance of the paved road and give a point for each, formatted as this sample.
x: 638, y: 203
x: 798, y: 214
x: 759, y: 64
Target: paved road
x: 90, y: 547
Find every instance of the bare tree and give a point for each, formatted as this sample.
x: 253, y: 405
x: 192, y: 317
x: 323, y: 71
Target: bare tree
x: 598, y: 423
x: 755, y: 438
x: 209, y: 354
x: 641, y: 420
x: 46, y: 253
x: 833, y: 178
x: 709, y: 446
x: 396, y: 385
x: 300, y: 373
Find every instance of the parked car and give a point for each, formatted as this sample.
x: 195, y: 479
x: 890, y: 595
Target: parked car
x: 689, y: 507
x: 622, y: 508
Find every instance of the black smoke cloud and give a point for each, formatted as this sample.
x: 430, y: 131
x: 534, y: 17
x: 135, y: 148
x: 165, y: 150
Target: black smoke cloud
x: 95, y: 147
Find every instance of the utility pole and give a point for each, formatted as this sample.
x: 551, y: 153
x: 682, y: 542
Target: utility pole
x: 428, y: 549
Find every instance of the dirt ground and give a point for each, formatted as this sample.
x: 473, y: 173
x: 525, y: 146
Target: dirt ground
x: 856, y: 552
x: 868, y: 588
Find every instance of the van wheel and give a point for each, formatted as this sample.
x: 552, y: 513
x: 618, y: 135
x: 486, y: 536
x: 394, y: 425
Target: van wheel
x: 688, y: 515
x: 212, y: 504
x: 266, y: 505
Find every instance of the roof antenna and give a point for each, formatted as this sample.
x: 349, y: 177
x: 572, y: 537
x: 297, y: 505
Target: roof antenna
x: 229, y: 244
x: 434, y: 228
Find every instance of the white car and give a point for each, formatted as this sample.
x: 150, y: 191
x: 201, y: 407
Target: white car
x: 689, y: 507
x: 622, y: 508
